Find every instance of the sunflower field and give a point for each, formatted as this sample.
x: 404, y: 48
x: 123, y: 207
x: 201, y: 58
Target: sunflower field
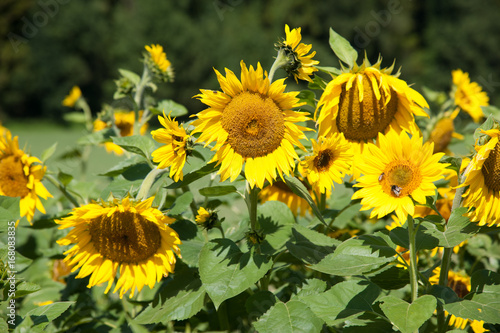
x: 358, y: 204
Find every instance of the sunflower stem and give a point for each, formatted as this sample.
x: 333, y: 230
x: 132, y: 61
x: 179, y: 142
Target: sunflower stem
x: 147, y: 183
x: 413, y: 259
x: 280, y: 61
x: 139, y: 91
x: 63, y: 190
x: 251, y: 196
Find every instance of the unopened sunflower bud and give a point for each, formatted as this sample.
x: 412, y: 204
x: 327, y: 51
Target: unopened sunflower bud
x: 158, y: 64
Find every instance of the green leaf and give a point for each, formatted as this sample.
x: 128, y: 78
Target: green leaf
x: 40, y: 317
x: 310, y: 246
x: 181, y: 204
x: 352, y: 257
x: 408, y: 317
x: 190, y: 250
x: 455, y: 162
x: 47, y: 153
x: 96, y: 137
x: 226, y: 271
x: 391, y: 278
x: 9, y: 209
x: 458, y: 229
x: 136, y: 144
x: 342, y: 48
x: 481, y: 280
x: 293, y: 316
x: 216, y: 191
x: 131, y: 76
x: 318, y: 83
x: 484, y: 306
x: 299, y: 189
x: 312, y: 287
x: 343, y: 300
x: 275, y: 220
x: 423, y: 241
x: 24, y: 288
x: 206, y: 169
x: 487, y: 125
x: 308, y: 97
x: 76, y: 117
x: 123, y: 166
x: 64, y: 178
x: 260, y: 302
x: 330, y: 70
x: 491, y: 110
x: 168, y: 106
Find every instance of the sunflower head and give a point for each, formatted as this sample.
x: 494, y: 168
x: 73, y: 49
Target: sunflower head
x: 120, y: 236
x: 396, y: 172
x: 158, y: 64
x: 207, y: 219
x: 443, y: 132
x: 21, y: 176
x: 176, y: 146
x: 468, y: 95
x: 124, y: 122
x: 298, y: 62
x: 367, y: 100
x: 71, y: 99
x: 252, y: 123
x: 330, y: 162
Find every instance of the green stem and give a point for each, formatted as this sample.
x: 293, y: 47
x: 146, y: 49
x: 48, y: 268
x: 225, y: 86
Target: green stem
x: 413, y: 259
x: 251, y: 198
x: 280, y: 61
x: 139, y: 91
x: 89, y: 123
x: 223, y: 319
x: 148, y: 182
x: 63, y: 190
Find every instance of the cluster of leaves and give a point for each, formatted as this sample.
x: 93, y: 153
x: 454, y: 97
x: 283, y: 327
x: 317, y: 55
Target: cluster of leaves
x: 297, y: 279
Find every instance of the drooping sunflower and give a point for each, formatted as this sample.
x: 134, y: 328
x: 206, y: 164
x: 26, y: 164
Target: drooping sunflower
x: 300, y: 64
x: 124, y: 121
x: 330, y: 162
x: 279, y: 191
x: 174, y: 152
x: 252, y: 123
x: 468, y: 95
x: 123, y: 236
x: 396, y: 170
x: 366, y: 101
x: 483, y: 179
x: 158, y: 63
x: 443, y: 132
x: 21, y: 176
x: 71, y: 99
x: 461, y: 285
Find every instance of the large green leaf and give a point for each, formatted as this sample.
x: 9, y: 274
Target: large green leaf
x: 169, y: 107
x: 299, y: 189
x: 342, y: 48
x: 226, y: 271
x: 353, y: 257
x: 343, y: 300
x: 181, y: 203
x: 216, y: 191
x: 9, y: 211
x: 276, y: 221
x: 408, y: 317
x: 206, y: 169
x: 423, y: 241
x: 136, y: 144
x: 484, y: 306
x: 291, y: 317
x: 38, y: 318
x: 310, y: 246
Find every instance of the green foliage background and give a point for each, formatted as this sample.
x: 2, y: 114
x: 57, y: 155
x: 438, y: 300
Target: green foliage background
x: 84, y: 42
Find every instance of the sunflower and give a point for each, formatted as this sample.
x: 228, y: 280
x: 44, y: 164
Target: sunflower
x: 483, y: 179
x: 158, y: 63
x: 253, y: 123
x: 299, y: 63
x: 395, y: 171
x: 330, y: 162
x: 279, y: 191
x: 21, y: 176
x: 123, y: 235
x: 124, y: 122
x: 207, y: 218
x: 443, y: 132
x: 461, y: 284
x: 71, y: 99
x: 366, y: 101
x: 468, y: 95
x: 174, y: 152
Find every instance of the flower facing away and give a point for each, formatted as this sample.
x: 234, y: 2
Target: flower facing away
x: 461, y: 285
x: 123, y: 236
x: 483, y: 179
x: 279, y: 191
x: 158, y: 63
x: 174, y: 151
x: 252, y: 123
x: 73, y: 97
x: 395, y: 171
x: 21, y: 176
x: 330, y: 162
x: 468, y: 95
x: 443, y: 132
x: 300, y: 64
x: 207, y: 219
x: 124, y: 122
x: 367, y: 101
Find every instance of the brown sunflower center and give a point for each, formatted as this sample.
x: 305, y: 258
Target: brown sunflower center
x: 13, y: 181
x: 254, y: 123
x: 324, y: 160
x: 442, y: 134
x: 125, y: 237
x: 458, y: 287
x: 491, y: 169
x: 361, y: 121
x: 399, y: 179
x: 125, y: 127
